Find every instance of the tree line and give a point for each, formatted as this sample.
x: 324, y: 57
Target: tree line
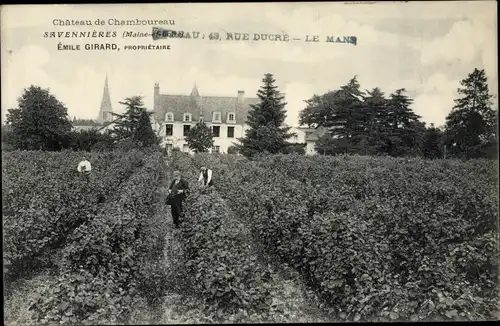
x: 41, y: 122
x: 353, y: 122
x: 371, y: 123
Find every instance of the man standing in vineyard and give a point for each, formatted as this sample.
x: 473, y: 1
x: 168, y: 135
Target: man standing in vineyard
x: 84, y: 167
x: 176, y: 195
x: 205, y: 177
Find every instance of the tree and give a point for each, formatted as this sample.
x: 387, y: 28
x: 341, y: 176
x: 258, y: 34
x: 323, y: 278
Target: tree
x: 327, y: 145
x: 471, y: 125
x: 135, y: 124
x: 376, y: 123
x: 432, y: 144
x: 345, y: 115
x: 267, y: 133
x: 365, y: 123
x: 40, y: 122
x: 144, y: 132
x: 200, y: 138
x: 340, y: 111
x: 405, y: 130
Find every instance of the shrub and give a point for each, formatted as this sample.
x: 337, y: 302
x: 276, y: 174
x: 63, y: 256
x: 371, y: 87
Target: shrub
x: 219, y: 258
x: 380, y: 239
x: 110, y: 248
x: 44, y: 198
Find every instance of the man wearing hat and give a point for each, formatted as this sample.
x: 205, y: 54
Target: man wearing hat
x: 205, y: 177
x: 177, y: 192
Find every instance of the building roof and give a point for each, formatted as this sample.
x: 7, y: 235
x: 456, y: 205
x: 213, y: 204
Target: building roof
x: 180, y: 104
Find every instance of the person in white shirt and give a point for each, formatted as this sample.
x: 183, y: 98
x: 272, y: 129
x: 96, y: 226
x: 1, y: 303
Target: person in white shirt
x: 84, y: 167
x: 205, y: 177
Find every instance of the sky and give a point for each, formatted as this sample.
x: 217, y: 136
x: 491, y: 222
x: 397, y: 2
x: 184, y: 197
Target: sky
x: 424, y: 47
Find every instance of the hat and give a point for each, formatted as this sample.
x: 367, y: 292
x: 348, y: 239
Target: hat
x: 203, y: 168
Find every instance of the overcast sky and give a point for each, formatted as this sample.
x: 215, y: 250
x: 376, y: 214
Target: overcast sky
x: 425, y: 47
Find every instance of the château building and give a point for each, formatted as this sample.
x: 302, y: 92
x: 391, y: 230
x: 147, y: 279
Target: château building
x: 175, y: 115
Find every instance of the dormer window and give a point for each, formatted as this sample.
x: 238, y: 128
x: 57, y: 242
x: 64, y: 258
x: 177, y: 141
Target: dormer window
x: 231, y: 117
x: 216, y: 117
x: 169, y: 116
x: 187, y: 117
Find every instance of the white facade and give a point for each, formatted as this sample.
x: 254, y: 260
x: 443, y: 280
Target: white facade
x: 173, y: 133
x: 176, y: 137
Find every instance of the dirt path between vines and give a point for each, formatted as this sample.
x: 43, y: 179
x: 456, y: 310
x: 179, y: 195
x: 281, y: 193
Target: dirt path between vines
x: 292, y: 301
x: 177, y: 306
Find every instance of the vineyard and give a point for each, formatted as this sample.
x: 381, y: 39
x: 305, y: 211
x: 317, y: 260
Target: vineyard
x: 280, y: 239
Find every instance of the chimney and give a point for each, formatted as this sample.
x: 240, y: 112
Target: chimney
x: 241, y: 97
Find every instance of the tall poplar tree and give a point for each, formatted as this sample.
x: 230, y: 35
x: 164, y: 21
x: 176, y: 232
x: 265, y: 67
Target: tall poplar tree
x: 267, y: 132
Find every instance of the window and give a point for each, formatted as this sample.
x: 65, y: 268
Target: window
x: 169, y: 129
x: 230, y: 132
x: 216, y: 117
x: 216, y: 131
x: 187, y: 117
x: 187, y: 128
x: 169, y: 116
x: 230, y: 117
x: 215, y: 149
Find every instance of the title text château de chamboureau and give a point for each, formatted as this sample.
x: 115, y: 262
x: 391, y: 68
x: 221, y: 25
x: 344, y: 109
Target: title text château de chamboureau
x: 112, y: 22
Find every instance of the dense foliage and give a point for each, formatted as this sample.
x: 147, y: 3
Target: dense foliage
x: 90, y: 140
x: 40, y: 121
x: 379, y: 239
x: 371, y: 123
x: 44, y: 197
x: 200, y: 138
x: 218, y: 255
x: 102, y: 265
x: 134, y: 124
x: 472, y: 124
x: 217, y: 250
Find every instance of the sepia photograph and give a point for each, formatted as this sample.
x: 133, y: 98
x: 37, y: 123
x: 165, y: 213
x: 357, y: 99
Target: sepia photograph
x: 236, y: 163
